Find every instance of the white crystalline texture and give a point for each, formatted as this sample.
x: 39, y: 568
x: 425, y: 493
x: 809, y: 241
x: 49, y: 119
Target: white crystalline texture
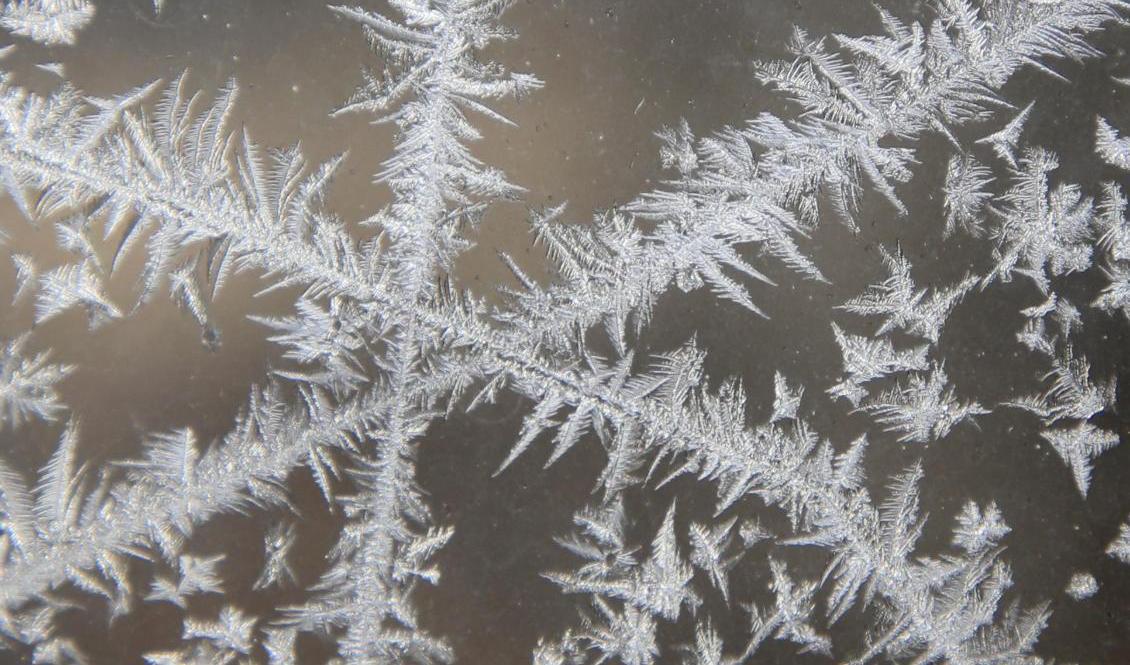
x: 1005, y: 141
x: 1079, y: 446
x: 903, y: 305
x: 1035, y: 335
x: 789, y: 619
x: 1119, y: 548
x: 1116, y: 295
x: 49, y: 22
x: 867, y: 358
x: 786, y: 399
x: 1113, y: 148
x: 924, y: 408
x: 966, y: 194
x: 27, y: 384
x: 979, y: 528
x: 381, y: 345
x: 1082, y: 586
x: 1045, y: 231
x: 1072, y: 395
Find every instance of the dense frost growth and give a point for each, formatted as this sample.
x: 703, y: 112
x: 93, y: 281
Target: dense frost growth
x: 164, y: 186
x: 50, y: 22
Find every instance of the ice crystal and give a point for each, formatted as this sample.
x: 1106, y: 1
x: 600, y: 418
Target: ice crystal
x: 222, y: 640
x: 380, y: 344
x: 707, y: 648
x: 786, y: 400
x: 1119, y: 548
x: 978, y: 528
x: 1072, y: 393
x: 868, y: 358
x: 1115, y: 239
x: 50, y: 22
x: 1079, y: 446
x: 904, y: 305
x: 656, y: 585
x: 27, y: 384
x: 966, y: 194
x: 1045, y: 232
x: 25, y: 276
x: 789, y: 619
x: 923, y: 409
x: 1005, y: 141
x: 277, y: 569
x: 1082, y: 586
x: 1034, y: 334
x: 1115, y: 296
x: 197, y: 575
x: 1114, y: 149
x: 709, y: 552
x: 1112, y: 222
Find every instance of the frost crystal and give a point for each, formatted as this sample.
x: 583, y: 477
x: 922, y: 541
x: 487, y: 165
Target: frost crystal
x: 979, y: 528
x: 789, y: 619
x: 923, y: 409
x: 197, y: 575
x: 1035, y: 334
x: 1082, y: 586
x: 27, y: 384
x: 1044, y: 232
x: 1005, y: 141
x: 867, y: 358
x: 904, y: 305
x: 966, y: 195
x: 786, y: 400
x: 376, y: 343
x: 1114, y: 149
x: 50, y: 22
x: 1079, y: 446
x: 1119, y: 548
x: 1116, y: 295
x: 708, y: 552
x: 1072, y: 394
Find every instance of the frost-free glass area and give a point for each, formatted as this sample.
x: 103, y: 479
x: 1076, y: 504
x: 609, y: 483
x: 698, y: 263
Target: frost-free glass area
x: 480, y: 331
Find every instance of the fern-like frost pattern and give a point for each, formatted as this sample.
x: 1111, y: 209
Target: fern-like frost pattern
x: 379, y: 343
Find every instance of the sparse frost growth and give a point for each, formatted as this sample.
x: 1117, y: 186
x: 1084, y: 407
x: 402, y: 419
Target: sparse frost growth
x: 1073, y: 397
x: 710, y: 552
x: 786, y: 399
x: 1035, y: 335
x: 978, y: 528
x: 1079, y: 446
x: 1119, y: 548
x: 789, y: 619
x: 226, y: 638
x: 1115, y: 296
x: 27, y: 384
x: 1005, y: 141
x: 1082, y: 586
x: 196, y: 575
x: 277, y: 569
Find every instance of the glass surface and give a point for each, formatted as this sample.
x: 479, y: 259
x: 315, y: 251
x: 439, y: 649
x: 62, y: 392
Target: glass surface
x: 164, y: 263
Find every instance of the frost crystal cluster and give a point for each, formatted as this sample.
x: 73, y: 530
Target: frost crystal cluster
x: 731, y: 518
